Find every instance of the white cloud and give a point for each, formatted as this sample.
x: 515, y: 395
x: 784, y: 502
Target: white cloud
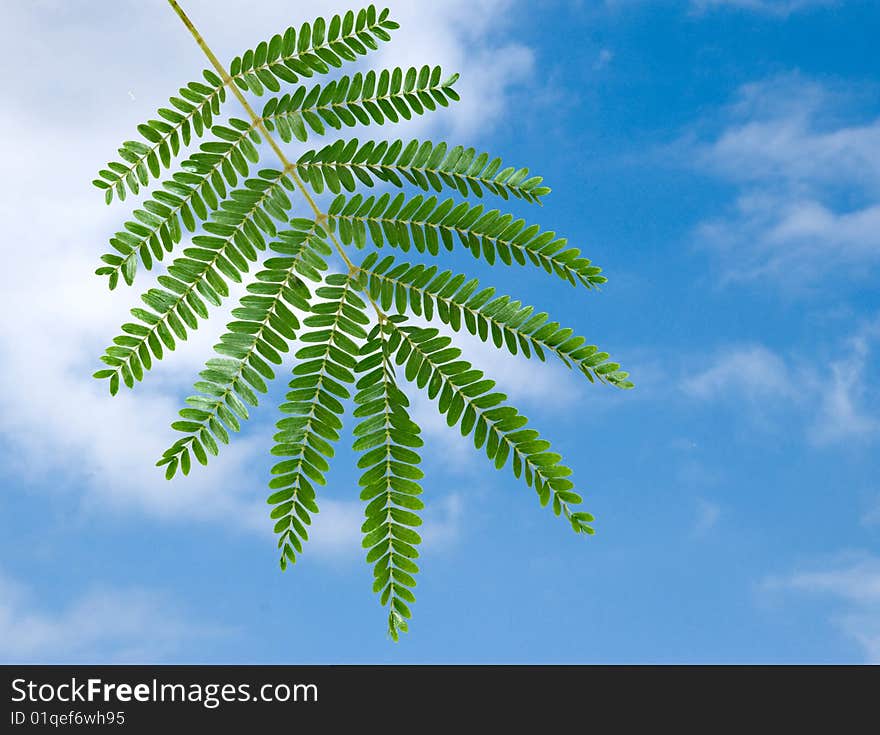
x: 841, y: 414
x: 443, y: 520
x: 852, y: 582
x: 103, y: 624
x: 775, y: 9
x: 864, y: 628
x: 807, y: 174
x: 789, y: 129
x: 871, y: 517
x: 708, y: 515
x: 833, y: 399
x: 336, y: 531
x: 770, y: 7
x: 54, y: 418
x: 56, y: 415
x: 855, y: 580
x: 603, y: 59
x: 750, y: 370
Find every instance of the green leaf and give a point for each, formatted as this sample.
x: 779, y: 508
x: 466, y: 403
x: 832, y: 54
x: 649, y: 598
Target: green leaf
x: 261, y: 312
x: 353, y: 342
x: 484, y: 233
x: 389, y: 468
x: 512, y: 326
x: 361, y: 99
x: 238, y: 233
x: 496, y: 428
x: 186, y: 198
x: 189, y: 114
x: 303, y: 52
x: 311, y: 420
x: 345, y: 164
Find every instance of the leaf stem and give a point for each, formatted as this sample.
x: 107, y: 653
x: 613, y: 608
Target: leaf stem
x: 289, y: 167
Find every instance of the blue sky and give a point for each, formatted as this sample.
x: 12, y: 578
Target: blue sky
x: 720, y: 159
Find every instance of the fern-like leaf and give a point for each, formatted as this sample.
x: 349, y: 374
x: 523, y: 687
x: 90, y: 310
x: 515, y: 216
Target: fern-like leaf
x: 190, y: 115
x: 314, y: 404
x: 237, y: 233
x: 313, y: 49
x: 348, y: 332
x: 360, y: 99
x: 423, y: 223
x: 467, y: 399
x: 264, y: 327
x: 183, y: 201
x: 344, y: 164
x: 458, y: 301
x: 388, y: 439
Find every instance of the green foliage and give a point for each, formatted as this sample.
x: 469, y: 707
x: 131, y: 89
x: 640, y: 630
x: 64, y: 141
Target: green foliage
x: 314, y: 405
x: 234, y: 237
x: 314, y: 49
x: 388, y: 438
x: 343, y: 164
x: 422, y: 223
x: 185, y: 199
x: 264, y: 327
x: 455, y: 300
x: 467, y: 400
x: 358, y: 100
x: 190, y: 115
x: 360, y: 338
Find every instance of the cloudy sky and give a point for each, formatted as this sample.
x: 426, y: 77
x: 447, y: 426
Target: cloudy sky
x: 720, y: 159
